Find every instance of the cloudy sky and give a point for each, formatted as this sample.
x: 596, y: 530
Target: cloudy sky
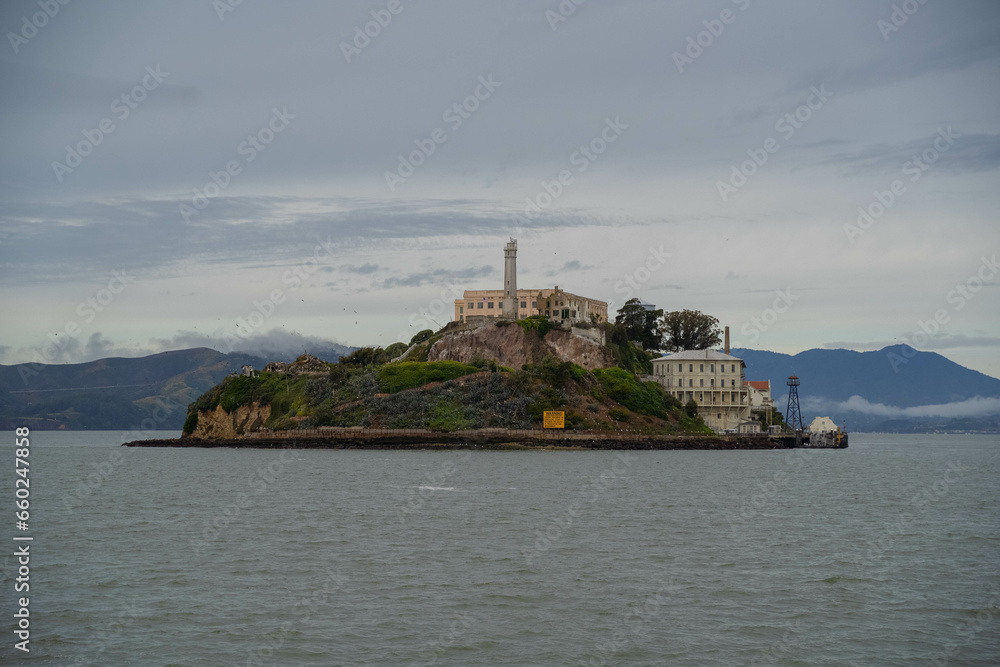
x: 188, y: 172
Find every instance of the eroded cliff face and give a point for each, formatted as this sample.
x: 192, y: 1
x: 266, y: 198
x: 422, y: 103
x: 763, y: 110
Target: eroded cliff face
x: 511, y: 346
x: 222, y: 425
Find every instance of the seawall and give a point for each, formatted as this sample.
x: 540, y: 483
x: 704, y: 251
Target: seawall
x: 360, y: 438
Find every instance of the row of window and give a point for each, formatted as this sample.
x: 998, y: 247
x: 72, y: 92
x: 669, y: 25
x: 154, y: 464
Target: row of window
x: 479, y: 305
x: 701, y: 382
x: 701, y: 397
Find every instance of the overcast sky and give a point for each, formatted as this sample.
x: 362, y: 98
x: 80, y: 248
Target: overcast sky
x: 116, y: 115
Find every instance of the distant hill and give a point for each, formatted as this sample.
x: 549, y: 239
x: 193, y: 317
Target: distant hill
x: 834, y: 376
x: 115, y: 393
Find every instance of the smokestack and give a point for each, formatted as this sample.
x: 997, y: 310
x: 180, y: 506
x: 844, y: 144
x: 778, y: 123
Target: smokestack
x: 727, y: 340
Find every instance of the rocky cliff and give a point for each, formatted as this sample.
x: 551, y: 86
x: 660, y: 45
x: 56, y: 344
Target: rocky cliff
x: 219, y: 424
x: 511, y: 346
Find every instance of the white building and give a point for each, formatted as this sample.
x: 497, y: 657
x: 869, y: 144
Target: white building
x: 713, y: 379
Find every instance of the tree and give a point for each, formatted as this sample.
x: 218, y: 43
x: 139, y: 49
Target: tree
x: 689, y: 330
x: 640, y: 324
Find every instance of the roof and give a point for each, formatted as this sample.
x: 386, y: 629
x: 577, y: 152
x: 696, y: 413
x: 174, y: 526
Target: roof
x: 759, y: 385
x: 699, y: 355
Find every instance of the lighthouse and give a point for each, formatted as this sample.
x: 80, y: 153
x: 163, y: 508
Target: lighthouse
x: 510, y: 280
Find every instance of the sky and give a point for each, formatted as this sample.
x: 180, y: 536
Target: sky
x: 198, y: 172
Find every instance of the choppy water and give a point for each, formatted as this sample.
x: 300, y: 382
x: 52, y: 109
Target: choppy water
x: 887, y: 553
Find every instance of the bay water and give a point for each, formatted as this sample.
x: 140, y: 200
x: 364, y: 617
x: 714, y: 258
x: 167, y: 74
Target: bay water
x: 886, y: 553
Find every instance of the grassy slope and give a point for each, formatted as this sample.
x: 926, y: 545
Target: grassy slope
x: 448, y: 395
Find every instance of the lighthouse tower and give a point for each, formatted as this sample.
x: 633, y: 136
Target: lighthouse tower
x: 510, y: 280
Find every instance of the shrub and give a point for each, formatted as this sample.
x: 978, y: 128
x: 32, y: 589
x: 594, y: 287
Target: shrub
x: 421, y: 336
x: 540, y: 324
x: 691, y: 408
x: 191, y: 423
x: 646, y: 398
x: 618, y: 414
x: 365, y: 356
x: 396, y: 349
x: 410, y: 374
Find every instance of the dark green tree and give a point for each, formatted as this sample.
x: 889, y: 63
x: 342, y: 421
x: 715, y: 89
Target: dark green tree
x: 641, y: 325
x: 688, y: 330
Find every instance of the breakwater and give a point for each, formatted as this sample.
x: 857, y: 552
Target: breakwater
x: 362, y: 438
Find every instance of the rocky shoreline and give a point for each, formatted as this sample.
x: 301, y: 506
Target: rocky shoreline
x: 502, y: 439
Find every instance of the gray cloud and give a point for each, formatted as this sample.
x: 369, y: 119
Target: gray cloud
x: 974, y: 407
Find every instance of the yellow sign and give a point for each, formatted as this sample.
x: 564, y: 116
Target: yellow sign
x: 553, y: 419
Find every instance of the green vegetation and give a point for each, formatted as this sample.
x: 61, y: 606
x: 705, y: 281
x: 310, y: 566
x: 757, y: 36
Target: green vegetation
x: 540, y: 324
x: 364, y: 389
x: 689, y: 330
x: 646, y: 398
x: 641, y: 325
x: 624, y: 352
x: 411, y: 374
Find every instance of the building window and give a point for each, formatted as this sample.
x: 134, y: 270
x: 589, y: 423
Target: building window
x: 470, y: 306
x: 499, y: 305
x: 690, y: 368
x: 732, y: 383
x: 546, y: 312
x: 701, y: 383
x: 680, y: 368
x: 701, y: 368
x: 712, y: 382
x: 680, y: 382
x: 491, y: 305
x: 690, y: 383
x: 461, y: 309
x: 480, y: 305
x: 534, y: 304
x: 524, y: 304
x: 572, y: 313
x: 732, y: 368
x: 712, y: 368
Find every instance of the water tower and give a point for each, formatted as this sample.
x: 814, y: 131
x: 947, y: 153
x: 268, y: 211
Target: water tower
x: 793, y: 415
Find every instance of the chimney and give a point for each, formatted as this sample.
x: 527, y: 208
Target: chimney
x: 727, y: 340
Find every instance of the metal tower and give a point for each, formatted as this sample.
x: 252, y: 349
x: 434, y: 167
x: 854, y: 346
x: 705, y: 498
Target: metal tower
x: 793, y: 415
